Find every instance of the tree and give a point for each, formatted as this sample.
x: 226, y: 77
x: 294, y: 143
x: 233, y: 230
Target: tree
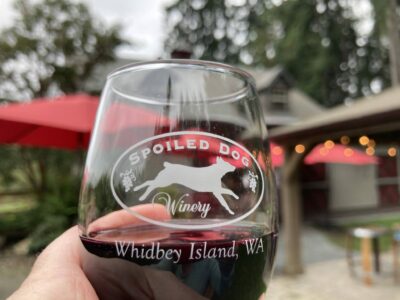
x: 317, y: 41
x: 213, y: 29
x: 52, y: 46
x: 321, y: 47
x: 387, y: 25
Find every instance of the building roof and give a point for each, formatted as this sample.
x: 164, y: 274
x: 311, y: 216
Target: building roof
x: 300, y: 106
x: 266, y: 77
x: 378, y: 113
x: 98, y: 77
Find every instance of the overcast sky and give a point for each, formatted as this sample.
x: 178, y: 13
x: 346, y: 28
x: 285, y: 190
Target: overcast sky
x: 142, y: 21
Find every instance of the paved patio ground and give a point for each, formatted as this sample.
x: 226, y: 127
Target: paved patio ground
x: 315, y: 247
x: 327, y: 276
x: 330, y: 280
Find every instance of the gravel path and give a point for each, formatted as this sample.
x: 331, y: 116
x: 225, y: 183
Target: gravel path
x: 13, y: 270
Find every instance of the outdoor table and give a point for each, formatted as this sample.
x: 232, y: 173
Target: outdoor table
x: 369, y: 237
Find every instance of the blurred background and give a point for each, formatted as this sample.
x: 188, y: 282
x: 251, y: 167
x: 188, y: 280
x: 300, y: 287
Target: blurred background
x: 327, y: 73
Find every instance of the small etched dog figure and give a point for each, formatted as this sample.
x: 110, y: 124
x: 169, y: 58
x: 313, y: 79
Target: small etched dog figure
x: 202, y: 179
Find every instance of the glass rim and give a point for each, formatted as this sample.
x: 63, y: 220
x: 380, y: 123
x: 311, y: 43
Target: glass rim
x: 206, y: 64
x: 203, y: 65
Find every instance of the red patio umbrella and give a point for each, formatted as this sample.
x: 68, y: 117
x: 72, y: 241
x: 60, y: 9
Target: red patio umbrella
x: 339, y: 154
x: 66, y: 121
x: 322, y: 154
x: 277, y: 155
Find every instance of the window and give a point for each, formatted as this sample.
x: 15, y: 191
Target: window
x: 279, y: 99
x: 278, y: 95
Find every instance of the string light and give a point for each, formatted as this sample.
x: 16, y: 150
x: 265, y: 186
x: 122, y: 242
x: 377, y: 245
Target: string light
x: 323, y: 151
x: 371, y: 143
x: 345, y: 140
x: 363, y: 140
x: 277, y: 150
x: 348, y: 152
x: 299, y: 148
x: 392, y: 151
x: 329, y: 144
x: 370, y: 151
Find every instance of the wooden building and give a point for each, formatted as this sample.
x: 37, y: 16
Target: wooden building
x: 374, y: 118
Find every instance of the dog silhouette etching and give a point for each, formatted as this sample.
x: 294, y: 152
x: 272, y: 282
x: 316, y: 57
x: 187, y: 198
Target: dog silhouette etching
x: 199, y: 179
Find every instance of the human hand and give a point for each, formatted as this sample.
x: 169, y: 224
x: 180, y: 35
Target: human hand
x: 58, y: 272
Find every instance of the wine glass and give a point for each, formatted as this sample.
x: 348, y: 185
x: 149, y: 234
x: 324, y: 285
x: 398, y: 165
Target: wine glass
x: 178, y: 199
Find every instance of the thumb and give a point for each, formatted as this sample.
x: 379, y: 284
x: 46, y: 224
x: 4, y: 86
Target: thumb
x: 57, y: 272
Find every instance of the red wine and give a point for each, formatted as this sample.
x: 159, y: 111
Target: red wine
x: 158, y: 263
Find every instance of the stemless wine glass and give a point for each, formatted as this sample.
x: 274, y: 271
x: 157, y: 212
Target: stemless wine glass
x: 178, y: 199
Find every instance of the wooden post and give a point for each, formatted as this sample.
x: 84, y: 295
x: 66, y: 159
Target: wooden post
x: 394, y: 42
x: 291, y: 212
x: 366, y: 255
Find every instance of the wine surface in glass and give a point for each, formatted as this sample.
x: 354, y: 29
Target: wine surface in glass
x: 232, y: 262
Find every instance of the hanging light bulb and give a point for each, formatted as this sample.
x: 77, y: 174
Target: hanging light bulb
x: 345, y: 140
x: 323, y: 151
x: 329, y: 144
x: 363, y: 140
x: 299, y: 148
x: 392, y: 151
x: 370, y: 151
x: 348, y: 152
x: 371, y: 143
x: 277, y: 150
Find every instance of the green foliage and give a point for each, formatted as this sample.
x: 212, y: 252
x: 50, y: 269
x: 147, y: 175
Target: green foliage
x: 56, y: 44
x: 323, y: 51
x: 15, y: 226
x: 12, y: 157
x: 213, y: 29
x: 315, y: 40
x: 57, y: 211
x: 380, y: 14
x: 339, y: 237
x: 96, y: 200
x: 55, y: 188
x: 46, y: 232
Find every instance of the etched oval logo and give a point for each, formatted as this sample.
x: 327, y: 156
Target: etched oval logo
x: 203, y: 180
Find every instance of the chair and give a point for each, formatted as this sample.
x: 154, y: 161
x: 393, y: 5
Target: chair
x: 369, y: 237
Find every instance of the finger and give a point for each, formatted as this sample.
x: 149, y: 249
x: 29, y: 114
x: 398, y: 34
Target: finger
x: 109, y: 224
x: 137, y: 282
x: 57, y: 272
x: 67, y: 246
x: 121, y: 279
